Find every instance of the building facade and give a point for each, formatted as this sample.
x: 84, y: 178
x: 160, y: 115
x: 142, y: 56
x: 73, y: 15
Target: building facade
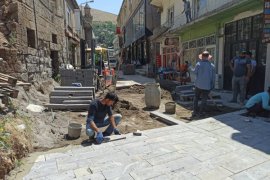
x: 137, y: 20
x: 34, y: 31
x: 73, y: 30
x: 223, y: 27
x: 36, y: 37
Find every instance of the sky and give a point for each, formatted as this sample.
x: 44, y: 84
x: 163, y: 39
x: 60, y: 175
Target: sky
x: 112, y: 6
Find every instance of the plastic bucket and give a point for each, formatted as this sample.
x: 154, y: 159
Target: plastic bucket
x: 74, y: 130
x: 170, y: 107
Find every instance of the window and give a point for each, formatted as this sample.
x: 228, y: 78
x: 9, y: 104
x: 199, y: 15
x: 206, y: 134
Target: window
x: 257, y: 26
x: 192, y: 44
x: 200, y: 42
x: 31, y: 38
x: 185, y: 45
x: 210, y: 40
x: 170, y: 16
x: 69, y: 16
x: 244, y: 29
x: 54, y: 38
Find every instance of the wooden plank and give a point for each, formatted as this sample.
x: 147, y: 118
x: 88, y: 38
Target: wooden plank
x: 10, y: 80
x: 76, y: 102
x: 6, y: 76
x: 4, y: 84
x: 60, y: 99
x: 71, y: 93
x: 78, y: 107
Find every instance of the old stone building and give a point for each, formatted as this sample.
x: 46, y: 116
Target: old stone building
x: 32, y: 38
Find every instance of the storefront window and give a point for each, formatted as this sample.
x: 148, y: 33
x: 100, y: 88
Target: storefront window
x: 244, y: 29
x: 257, y: 26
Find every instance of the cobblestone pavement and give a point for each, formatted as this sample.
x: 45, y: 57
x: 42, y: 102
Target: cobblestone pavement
x: 228, y: 147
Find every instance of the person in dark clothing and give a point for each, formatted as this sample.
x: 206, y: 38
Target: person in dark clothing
x: 241, y: 68
x: 187, y: 10
x: 252, y: 81
x: 97, y: 117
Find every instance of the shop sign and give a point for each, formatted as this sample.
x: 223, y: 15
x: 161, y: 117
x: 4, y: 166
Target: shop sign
x: 266, y: 30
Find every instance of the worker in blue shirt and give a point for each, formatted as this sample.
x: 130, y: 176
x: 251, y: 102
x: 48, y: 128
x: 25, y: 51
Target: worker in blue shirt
x: 205, y: 80
x: 100, y: 115
x: 259, y: 104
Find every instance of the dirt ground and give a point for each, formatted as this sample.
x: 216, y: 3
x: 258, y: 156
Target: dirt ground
x: 47, y: 130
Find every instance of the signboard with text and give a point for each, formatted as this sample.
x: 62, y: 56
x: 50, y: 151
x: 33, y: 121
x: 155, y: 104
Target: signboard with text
x: 266, y: 29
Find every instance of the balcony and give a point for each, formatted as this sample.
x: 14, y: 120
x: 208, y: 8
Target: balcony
x: 211, y: 10
x: 157, y: 3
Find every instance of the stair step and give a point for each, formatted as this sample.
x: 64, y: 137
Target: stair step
x: 71, y: 93
x: 78, y: 107
x: 60, y: 99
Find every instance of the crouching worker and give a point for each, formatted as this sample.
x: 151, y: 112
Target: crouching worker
x: 259, y: 104
x: 100, y: 115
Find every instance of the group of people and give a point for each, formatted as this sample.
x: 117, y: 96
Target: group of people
x: 243, y: 67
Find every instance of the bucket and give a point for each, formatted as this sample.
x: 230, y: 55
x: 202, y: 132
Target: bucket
x: 152, y: 95
x: 170, y: 107
x: 74, y: 130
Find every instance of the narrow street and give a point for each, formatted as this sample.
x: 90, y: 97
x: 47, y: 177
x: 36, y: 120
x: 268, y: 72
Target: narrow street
x: 134, y: 89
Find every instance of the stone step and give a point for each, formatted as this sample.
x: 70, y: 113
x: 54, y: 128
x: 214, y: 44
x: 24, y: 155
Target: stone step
x: 60, y: 99
x: 71, y: 93
x: 77, y: 107
x: 76, y: 102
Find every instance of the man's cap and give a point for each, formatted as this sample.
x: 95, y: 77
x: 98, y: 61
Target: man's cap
x: 243, y: 51
x: 205, y: 53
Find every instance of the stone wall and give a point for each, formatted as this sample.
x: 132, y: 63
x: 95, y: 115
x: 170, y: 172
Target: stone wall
x: 44, y: 18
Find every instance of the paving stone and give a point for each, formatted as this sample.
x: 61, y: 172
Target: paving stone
x: 177, y: 176
x: 67, y: 166
x: 85, y: 171
x: 124, y: 170
x: 218, y: 173
x: 166, y: 158
x: 238, y: 161
x: 211, y: 125
x: 95, y: 176
x: 258, y: 172
x: 61, y: 176
x: 41, y: 169
x: 56, y: 155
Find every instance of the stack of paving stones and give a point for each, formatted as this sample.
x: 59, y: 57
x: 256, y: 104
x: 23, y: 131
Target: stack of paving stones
x: 185, y: 92
x: 71, y: 98
x: 84, y: 76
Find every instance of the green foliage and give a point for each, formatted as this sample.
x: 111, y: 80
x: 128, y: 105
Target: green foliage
x: 4, y: 136
x: 57, y: 78
x: 104, y: 32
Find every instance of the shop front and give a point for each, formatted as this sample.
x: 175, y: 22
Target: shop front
x: 246, y: 34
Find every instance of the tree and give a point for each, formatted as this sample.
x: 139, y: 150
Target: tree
x: 104, y: 32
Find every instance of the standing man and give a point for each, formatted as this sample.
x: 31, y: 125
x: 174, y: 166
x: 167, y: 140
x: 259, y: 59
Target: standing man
x: 241, y: 68
x: 187, y: 10
x: 205, y: 80
x: 251, y: 81
x: 96, y: 118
